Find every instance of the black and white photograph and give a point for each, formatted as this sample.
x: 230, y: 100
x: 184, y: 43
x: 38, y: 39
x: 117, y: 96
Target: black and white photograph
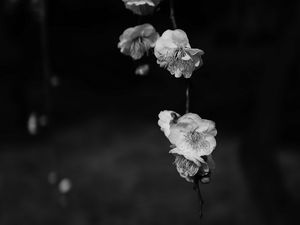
x: 149, y: 112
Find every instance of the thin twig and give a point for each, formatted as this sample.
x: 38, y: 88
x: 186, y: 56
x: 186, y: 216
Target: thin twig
x: 187, y: 96
x: 187, y: 92
x: 196, y: 187
x: 172, y: 15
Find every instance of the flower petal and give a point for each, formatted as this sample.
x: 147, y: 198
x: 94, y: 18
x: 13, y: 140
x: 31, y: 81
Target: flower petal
x: 186, y: 57
x: 177, y: 73
x: 129, y: 34
x: 190, y: 118
x: 186, y: 168
x: 207, y: 126
x: 190, y: 155
x: 141, y: 7
x: 212, y: 144
x: 194, y: 51
x: 166, y: 118
x: 180, y: 38
x: 171, y: 39
x: 140, y: 2
x: 146, y: 30
x: 164, y: 47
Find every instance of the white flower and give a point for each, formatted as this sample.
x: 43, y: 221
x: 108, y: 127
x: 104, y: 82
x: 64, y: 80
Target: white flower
x: 136, y: 41
x: 141, y: 7
x: 193, y: 137
x: 174, y: 52
x: 193, y: 140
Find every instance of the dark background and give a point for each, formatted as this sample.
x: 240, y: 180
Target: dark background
x: 102, y: 130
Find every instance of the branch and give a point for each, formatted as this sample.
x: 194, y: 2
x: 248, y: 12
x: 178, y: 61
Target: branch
x: 196, y: 187
x: 172, y: 15
x: 187, y: 95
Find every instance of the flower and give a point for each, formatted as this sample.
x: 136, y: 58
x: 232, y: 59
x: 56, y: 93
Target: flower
x: 135, y: 41
x: 174, y: 52
x: 141, y: 7
x: 193, y: 141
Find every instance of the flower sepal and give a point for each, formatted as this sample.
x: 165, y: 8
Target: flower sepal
x: 205, y: 170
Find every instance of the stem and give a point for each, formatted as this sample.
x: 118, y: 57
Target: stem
x: 172, y: 15
x: 187, y: 96
x: 196, y: 187
x: 187, y: 92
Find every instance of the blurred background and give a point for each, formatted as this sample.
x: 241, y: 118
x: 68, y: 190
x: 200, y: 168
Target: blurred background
x: 79, y: 138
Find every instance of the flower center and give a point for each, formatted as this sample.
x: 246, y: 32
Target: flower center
x: 176, y: 62
x: 196, y: 140
x: 179, y: 53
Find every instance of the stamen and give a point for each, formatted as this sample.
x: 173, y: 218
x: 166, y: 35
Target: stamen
x: 196, y: 140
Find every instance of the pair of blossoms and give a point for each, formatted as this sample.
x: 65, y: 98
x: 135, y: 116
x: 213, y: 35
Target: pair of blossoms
x: 192, y: 141
x: 172, y: 49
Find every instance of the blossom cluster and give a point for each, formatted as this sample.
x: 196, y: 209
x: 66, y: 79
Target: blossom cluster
x: 192, y: 138
x: 193, y: 141
x: 172, y: 49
